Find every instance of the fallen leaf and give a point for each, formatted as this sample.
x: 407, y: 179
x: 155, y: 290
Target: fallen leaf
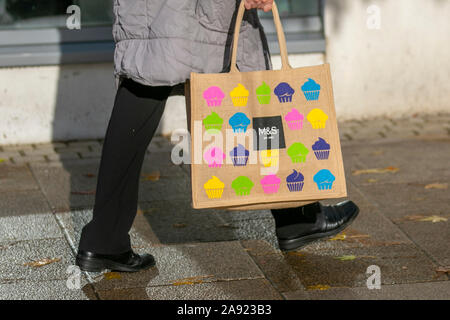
x: 153, y: 176
x: 112, y: 276
x: 340, y: 236
x: 377, y: 153
x: 191, y: 280
x: 445, y: 270
x: 422, y: 218
x: 376, y: 170
x: 437, y: 186
x: 318, y: 287
x: 434, y: 219
x: 2, y: 160
x: 89, y: 175
x: 296, y: 253
x: 42, y: 262
x: 349, y: 236
x: 83, y: 193
x: 179, y: 225
x: 346, y: 258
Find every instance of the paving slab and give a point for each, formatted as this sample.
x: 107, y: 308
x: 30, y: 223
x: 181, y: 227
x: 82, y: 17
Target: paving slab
x: 29, y: 227
x: 73, y: 222
x: 166, y: 188
x: 188, y: 263
x: 272, y: 263
x: 369, y: 229
x: 68, y: 185
x: 16, y: 178
x: 437, y: 290
x: 45, y: 290
x: 399, y: 200
x: 177, y: 222
x: 428, y: 164
x: 433, y: 238
x: 257, y: 289
x: 14, y: 257
x: 19, y: 203
x: 347, y: 267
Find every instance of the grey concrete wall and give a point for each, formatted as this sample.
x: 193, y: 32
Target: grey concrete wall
x: 397, y: 70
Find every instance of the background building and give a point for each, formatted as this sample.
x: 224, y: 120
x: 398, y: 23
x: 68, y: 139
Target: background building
x: 388, y: 58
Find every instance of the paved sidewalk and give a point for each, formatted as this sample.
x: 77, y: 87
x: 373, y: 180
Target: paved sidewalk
x: 398, y: 172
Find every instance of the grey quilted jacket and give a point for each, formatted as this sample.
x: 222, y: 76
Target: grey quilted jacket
x: 159, y: 42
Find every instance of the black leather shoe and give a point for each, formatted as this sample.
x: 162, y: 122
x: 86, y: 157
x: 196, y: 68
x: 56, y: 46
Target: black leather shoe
x: 329, y: 221
x: 125, y: 262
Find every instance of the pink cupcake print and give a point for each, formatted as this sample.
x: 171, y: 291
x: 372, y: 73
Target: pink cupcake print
x: 213, y: 96
x: 270, y: 184
x: 214, y: 157
x: 294, y: 119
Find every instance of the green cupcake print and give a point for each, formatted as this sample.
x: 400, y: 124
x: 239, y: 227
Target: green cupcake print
x: 263, y: 93
x: 298, y: 152
x: 242, y: 185
x: 213, y: 122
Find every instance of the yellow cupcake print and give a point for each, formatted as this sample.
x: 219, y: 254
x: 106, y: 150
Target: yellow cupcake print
x: 214, y: 188
x: 317, y: 118
x: 239, y: 96
x: 269, y: 158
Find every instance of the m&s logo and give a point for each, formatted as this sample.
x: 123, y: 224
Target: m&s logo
x: 268, y: 132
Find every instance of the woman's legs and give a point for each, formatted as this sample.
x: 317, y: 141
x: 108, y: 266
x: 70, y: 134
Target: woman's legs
x: 134, y: 120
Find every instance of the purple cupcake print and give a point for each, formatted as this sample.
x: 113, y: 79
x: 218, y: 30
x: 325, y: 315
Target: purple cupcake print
x: 284, y: 92
x: 321, y: 149
x: 239, y: 155
x: 295, y: 181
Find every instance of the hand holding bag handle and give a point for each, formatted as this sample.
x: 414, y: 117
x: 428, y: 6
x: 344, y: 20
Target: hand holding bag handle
x: 280, y: 33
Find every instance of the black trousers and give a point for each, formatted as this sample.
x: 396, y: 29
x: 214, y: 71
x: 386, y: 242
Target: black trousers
x: 134, y: 119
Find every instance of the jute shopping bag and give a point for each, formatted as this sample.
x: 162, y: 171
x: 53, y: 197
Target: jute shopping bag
x: 264, y: 139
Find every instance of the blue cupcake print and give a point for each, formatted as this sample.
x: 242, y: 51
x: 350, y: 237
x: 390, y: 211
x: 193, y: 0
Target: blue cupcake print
x: 239, y: 122
x: 324, y: 179
x: 311, y: 90
x: 295, y: 181
x: 284, y: 92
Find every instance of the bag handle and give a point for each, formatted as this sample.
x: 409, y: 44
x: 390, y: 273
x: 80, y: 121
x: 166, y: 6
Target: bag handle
x: 280, y: 33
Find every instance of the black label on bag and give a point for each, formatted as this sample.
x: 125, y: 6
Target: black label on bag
x: 269, y: 133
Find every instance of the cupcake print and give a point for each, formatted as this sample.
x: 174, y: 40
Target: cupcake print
x: 321, y: 149
x: 270, y: 184
x: 317, y: 118
x: 214, y: 188
x: 297, y: 152
x: 324, y: 179
x: 311, y: 90
x: 239, y: 155
x: 214, y: 157
x: 263, y: 93
x: 213, y: 96
x: 294, y: 119
x: 239, y: 96
x: 239, y: 122
x: 270, y: 158
x: 242, y: 186
x: 284, y: 92
x: 295, y: 181
x: 213, y: 122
